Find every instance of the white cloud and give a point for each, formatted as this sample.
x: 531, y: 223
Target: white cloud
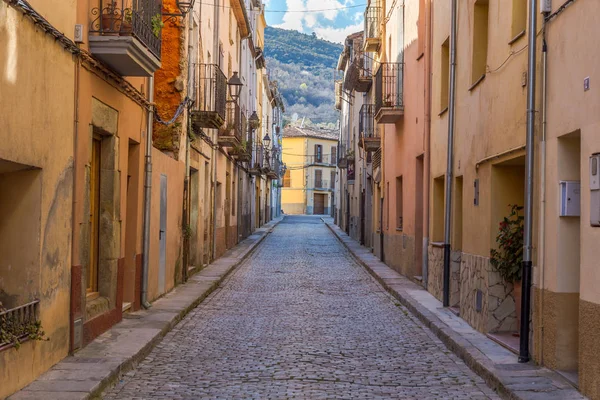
x: 293, y: 20
x: 337, y: 35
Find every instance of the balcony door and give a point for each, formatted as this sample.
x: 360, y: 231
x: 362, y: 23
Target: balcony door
x: 92, y: 286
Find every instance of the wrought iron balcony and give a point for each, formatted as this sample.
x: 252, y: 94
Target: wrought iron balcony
x: 210, y: 106
x: 257, y: 167
x: 369, y: 134
x: 126, y: 35
x: 323, y: 184
x: 359, y: 75
x: 18, y: 323
x: 389, y: 104
x: 371, y: 31
x: 230, y: 134
x: 342, y: 161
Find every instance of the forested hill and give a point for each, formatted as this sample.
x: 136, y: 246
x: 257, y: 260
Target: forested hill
x: 304, y: 67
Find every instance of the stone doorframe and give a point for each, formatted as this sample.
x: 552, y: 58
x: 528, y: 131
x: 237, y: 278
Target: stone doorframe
x: 104, y: 124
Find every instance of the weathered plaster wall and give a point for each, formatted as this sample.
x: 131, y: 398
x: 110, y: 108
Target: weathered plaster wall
x: 36, y: 82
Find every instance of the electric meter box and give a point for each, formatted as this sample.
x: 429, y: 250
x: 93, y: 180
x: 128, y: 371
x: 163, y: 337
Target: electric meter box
x: 570, y: 195
x: 595, y: 189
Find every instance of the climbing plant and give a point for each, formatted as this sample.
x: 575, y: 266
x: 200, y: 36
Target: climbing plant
x: 508, y: 257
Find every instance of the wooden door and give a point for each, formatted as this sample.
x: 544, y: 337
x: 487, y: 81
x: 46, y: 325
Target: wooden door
x: 94, y: 215
x: 319, y: 206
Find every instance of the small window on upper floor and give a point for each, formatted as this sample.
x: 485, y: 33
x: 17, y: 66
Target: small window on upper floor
x: 445, y: 75
x: 318, y: 153
x: 480, y: 40
x: 287, y: 179
x: 519, y: 18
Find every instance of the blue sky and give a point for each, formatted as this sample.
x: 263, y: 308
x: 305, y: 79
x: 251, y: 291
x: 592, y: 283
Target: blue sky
x: 332, y: 25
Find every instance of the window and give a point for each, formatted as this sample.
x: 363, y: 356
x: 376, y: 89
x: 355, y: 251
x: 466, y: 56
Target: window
x: 519, y: 18
x: 287, y: 179
x: 333, y: 156
x: 399, y: 203
x: 318, y: 178
x: 332, y: 182
x: 318, y: 153
x: 480, y: 40
x: 445, y: 75
x: 437, y: 234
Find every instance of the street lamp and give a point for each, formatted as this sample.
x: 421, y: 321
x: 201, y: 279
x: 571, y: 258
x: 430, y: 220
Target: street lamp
x: 266, y: 140
x: 184, y: 5
x: 254, y: 120
x: 235, y: 87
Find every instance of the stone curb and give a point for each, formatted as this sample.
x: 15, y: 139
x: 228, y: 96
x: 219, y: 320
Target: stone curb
x: 132, y: 361
x: 471, y: 355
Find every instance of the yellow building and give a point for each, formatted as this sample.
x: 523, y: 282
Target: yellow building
x: 489, y: 153
x: 36, y: 185
x: 310, y: 156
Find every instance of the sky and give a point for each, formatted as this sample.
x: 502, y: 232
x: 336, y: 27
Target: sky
x: 333, y: 25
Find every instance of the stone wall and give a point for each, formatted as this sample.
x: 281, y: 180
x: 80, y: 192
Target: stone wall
x: 435, y: 271
x: 497, y: 309
x: 435, y: 274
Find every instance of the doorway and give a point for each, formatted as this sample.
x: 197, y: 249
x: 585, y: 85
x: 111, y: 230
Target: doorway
x: 418, y: 264
x: 131, y: 283
x: 319, y: 200
x: 162, y: 235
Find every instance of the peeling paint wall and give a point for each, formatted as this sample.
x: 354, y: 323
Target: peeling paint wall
x: 36, y: 82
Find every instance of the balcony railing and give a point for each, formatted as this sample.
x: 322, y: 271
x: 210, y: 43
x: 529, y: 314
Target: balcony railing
x: 210, y: 107
x: 19, y: 322
x: 230, y: 134
x: 371, y: 31
x: 369, y: 134
x: 389, y: 105
x: 359, y: 75
x: 115, y: 22
x: 324, y: 184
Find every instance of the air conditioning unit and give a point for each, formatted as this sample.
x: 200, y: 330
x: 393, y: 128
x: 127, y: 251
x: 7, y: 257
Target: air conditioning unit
x: 545, y: 6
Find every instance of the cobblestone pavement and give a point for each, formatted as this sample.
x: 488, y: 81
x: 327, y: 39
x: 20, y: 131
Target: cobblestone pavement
x: 301, y: 319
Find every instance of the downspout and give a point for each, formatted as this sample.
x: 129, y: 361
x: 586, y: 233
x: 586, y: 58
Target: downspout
x: 214, y: 146
x: 74, y: 199
x: 427, y: 163
x: 529, y: 170
x: 147, y: 194
x: 186, y: 180
x: 450, y: 156
x: 542, y: 246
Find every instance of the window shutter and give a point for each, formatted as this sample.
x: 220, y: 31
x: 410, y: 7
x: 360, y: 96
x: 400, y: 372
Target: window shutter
x: 287, y: 179
x: 332, y: 182
x: 316, y: 153
x: 318, y: 176
x: 333, y: 155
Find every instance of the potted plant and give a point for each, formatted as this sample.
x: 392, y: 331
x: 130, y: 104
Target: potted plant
x: 388, y: 100
x: 508, y: 257
x: 157, y: 24
x: 127, y: 21
x: 110, y: 18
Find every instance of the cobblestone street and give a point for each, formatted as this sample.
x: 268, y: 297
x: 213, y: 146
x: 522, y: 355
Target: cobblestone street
x: 300, y: 319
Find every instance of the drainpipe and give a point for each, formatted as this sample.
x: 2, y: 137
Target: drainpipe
x: 214, y: 146
x: 186, y: 180
x: 541, y: 253
x: 450, y: 156
x: 427, y: 163
x: 529, y: 170
x: 147, y: 194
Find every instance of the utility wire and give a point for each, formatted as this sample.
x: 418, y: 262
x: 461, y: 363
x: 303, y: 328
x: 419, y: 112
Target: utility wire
x: 294, y: 11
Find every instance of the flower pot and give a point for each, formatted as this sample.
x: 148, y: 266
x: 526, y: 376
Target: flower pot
x: 110, y: 23
x: 125, y: 28
x: 517, y: 295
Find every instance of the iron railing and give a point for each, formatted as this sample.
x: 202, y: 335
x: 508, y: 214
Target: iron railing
x: 211, y: 96
x: 141, y: 19
x: 233, y: 123
x: 18, y: 321
x: 322, y: 184
x: 389, y: 86
x: 366, y: 122
x: 372, y: 18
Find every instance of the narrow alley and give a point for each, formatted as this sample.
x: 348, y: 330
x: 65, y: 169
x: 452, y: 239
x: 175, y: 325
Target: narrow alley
x: 300, y: 319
